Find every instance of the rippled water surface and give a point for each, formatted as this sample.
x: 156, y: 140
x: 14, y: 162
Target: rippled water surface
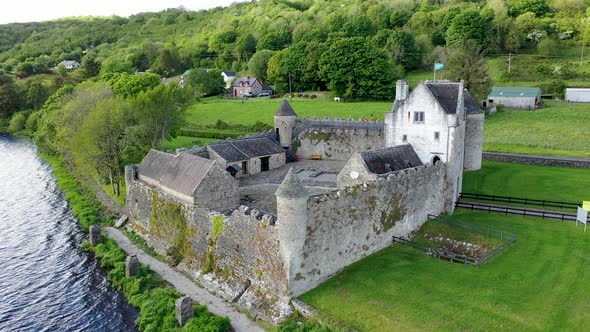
x: 46, y: 282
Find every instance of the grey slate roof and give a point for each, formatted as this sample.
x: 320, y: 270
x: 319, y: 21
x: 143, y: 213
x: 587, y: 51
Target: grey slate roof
x: 246, y: 148
x: 446, y: 94
x: 398, y: 157
x: 182, y: 173
x: 285, y: 109
x: 470, y: 104
x: 230, y: 73
x: 249, y: 80
x: 291, y: 186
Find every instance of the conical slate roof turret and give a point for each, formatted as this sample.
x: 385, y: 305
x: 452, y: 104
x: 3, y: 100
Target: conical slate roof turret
x: 291, y: 187
x: 285, y: 109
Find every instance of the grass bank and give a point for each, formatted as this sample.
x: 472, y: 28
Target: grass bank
x: 558, y: 128
x: 538, y: 284
x: 529, y: 181
x: 82, y: 203
x: 152, y: 295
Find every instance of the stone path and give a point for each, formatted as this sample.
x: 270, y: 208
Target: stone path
x: 184, y: 285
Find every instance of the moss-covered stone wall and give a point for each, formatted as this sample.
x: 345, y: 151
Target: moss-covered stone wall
x: 353, y: 222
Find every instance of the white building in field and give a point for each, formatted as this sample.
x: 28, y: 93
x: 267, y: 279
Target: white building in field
x: 578, y: 95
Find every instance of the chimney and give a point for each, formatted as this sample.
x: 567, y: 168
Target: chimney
x: 401, y: 90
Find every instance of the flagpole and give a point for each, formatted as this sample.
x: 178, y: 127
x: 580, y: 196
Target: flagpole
x: 434, y: 71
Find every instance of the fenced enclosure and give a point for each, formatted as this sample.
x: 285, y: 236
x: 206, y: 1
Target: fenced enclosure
x: 496, y: 241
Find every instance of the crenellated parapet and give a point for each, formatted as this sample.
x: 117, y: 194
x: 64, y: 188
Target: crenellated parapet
x: 254, y: 215
x: 381, y: 180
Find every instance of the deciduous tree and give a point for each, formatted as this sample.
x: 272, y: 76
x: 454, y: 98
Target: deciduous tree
x: 354, y: 69
x: 162, y: 111
x: 467, y: 63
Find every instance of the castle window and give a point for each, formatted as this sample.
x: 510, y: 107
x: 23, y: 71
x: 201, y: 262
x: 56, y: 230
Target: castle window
x: 404, y: 138
x: 418, y: 117
x: 436, y: 136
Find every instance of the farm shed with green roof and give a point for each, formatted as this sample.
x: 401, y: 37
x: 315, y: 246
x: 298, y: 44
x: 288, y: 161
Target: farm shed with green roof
x: 515, y: 97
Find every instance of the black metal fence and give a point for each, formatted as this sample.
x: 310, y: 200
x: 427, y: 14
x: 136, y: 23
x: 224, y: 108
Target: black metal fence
x: 564, y: 216
x: 507, y: 239
x: 520, y: 200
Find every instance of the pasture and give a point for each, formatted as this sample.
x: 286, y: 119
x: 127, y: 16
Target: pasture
x: 529, y: 181
x: 558, y: 128
x: 234, y: 111
x: 537, y: 284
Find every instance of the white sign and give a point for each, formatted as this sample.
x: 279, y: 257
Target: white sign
x: 354, y: 175
x: 582, y: 217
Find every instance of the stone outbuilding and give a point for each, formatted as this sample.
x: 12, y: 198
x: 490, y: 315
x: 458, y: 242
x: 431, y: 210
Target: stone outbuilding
x: 525, y: 98
x: 247, y: 156
x: 187, y: 178
x: 365, y: 166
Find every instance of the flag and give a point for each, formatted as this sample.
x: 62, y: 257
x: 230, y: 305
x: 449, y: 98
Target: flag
x: 439, y: 66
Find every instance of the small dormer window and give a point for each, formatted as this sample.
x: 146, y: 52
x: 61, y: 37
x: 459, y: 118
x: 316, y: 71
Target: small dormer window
x: 418, y: 117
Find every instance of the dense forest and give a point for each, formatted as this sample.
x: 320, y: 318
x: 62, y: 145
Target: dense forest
x: 103, y: 115
x: 315, y: 41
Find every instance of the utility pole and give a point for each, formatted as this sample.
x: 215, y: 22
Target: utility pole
x: 434, y: 71
x: 509, y: 61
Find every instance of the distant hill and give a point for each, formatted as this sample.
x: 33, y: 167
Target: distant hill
x: 412, y: 34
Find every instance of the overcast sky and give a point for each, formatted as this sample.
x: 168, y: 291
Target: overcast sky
x: 42, y: 10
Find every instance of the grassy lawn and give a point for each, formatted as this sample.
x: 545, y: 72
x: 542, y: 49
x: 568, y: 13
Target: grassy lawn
x: 558, y: 128
x: 233, y: 111
x: 185, y: 142
x: 120, y: 200
x: 530, y: 181
x: 538, y: 284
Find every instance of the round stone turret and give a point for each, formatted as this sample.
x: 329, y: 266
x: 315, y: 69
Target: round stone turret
x: 291, y: 226
x: 285, y: 118
x: 473, y: 141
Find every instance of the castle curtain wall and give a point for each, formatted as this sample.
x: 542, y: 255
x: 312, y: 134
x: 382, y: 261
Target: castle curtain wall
x: 348, y: 224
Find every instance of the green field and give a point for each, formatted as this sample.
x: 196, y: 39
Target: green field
x: 558, y: 128
x: 530, y: 181
x: 185, y: 142
x: 233, y: 111
x: 539, y: 284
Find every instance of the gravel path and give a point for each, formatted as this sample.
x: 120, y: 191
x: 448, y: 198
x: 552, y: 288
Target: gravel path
x: 217, y: 306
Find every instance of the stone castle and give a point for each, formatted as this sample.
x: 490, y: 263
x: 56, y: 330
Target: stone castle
x: 260, y: 220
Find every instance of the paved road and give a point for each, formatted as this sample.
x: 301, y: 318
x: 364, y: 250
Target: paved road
x: 219, y: 307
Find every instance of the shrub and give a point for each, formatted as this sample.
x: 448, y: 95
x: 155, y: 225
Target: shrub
x: 313, y: 97
x: 17, y: 122
x: 556, y: 88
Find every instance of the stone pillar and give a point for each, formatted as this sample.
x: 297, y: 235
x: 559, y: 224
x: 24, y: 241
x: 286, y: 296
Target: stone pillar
x: 184, y: 310
x: 131, y: 266
x: 95, y: 236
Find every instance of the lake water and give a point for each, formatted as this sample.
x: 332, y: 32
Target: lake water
x: 47, y: 283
